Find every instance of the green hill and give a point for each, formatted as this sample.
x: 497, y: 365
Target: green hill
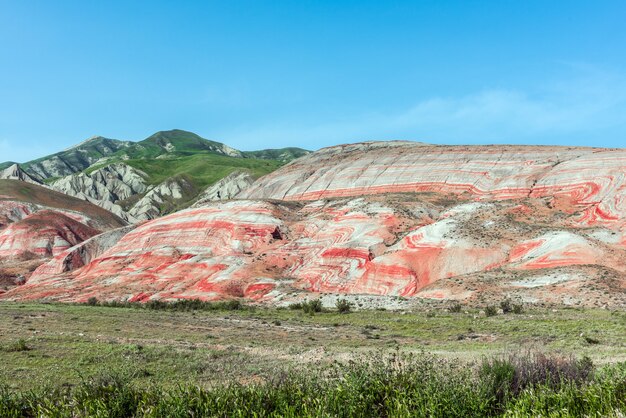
x: 173, y: 145
x: 177, y: 156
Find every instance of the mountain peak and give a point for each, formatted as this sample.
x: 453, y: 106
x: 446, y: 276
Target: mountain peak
x: 185, y: 142
x: 91, y: 139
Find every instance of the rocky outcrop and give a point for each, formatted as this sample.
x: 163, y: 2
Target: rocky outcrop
x: 227, y: 188
x: 159, y: 199
x: 37, y: 223
x: 591, y: 181
x: 105, y: 187
x: 111, y: 183
x: 76, y: 158
x: 19, y: 199
x: 15, y: 172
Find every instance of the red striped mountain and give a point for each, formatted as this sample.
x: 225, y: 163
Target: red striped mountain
x: 37, y: 223
x: 538, y: 224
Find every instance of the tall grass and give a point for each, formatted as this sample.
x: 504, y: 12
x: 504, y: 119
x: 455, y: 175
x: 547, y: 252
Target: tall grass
x: 392, y: 385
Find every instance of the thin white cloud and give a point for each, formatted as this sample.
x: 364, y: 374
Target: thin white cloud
x: 586, y: 105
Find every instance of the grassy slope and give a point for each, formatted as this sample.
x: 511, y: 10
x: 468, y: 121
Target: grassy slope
x: 204, y: 169
x: 204, y: 347
x: 184, y: 142
x: 32, y: 193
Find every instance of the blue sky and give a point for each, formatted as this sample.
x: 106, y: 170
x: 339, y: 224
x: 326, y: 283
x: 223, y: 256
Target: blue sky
x: 312, y: 73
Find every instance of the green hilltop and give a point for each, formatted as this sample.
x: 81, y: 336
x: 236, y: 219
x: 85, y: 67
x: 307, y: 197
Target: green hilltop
x: 181, y: 156
x: 162, y: 155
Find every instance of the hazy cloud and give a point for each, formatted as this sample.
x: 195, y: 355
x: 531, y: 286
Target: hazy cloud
x: 587, y: 106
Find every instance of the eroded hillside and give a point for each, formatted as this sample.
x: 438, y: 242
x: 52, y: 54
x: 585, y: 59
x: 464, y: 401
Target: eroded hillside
x: 536, y: 224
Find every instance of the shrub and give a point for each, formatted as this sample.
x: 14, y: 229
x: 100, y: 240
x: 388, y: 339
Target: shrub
x: 498, y: 376
x: 295, y: 306
x: 455, y: 307
x: 508, y: 377
x: 312, y: 306
x: 92, y: 301
x: 518, y: 308
x: 183, y: 305
x: 343, y: 306
x: 491, y: 311
x: 506, y: 306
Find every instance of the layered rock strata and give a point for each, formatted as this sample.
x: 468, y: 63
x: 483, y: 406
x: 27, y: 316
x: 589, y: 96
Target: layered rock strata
x: 398, y: 245
x: 537, y: 224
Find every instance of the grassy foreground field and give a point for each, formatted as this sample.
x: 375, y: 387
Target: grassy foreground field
x: 149, y: 362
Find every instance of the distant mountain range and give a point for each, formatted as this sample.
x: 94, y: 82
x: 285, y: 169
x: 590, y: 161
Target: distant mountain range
x: 142, y: 180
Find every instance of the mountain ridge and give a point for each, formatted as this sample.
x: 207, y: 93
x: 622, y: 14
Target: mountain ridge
x: 166, y: 171
x: 86, y: 153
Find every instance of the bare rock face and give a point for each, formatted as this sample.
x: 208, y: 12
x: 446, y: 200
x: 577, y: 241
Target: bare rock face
x: 227, y: 188
x: 76, y: 158
x: 490, y: 172
x: 15, y: 172
x: 151, y: 205
x: 105, y: 187
x: 536, y: 224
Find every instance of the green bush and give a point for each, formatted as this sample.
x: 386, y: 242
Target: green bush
x: 312, y: 306
x: 92, y: 301
x: 506, y: 306
x: 590, y: 340
x: 183, y: 305
x: 518, y: 308
x: 491, y: 311
x: 343, y: 306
